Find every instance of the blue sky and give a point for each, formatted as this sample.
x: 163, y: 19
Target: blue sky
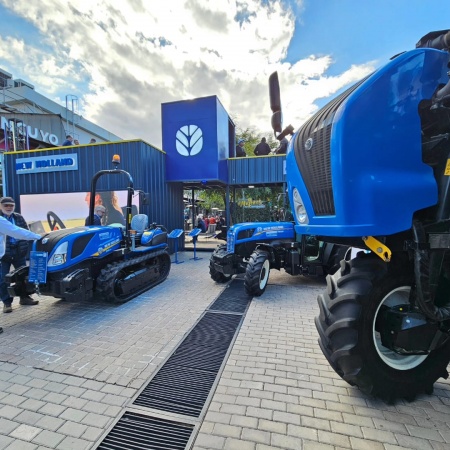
x: 356, y: 31
x: 124, y: 62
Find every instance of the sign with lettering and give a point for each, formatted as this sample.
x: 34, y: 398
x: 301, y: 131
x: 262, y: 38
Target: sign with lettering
x: 38, y: 267
x: 41, y: 127
x: 53, y: 163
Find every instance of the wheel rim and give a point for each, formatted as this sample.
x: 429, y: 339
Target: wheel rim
x: 398, y: 296
x: 264, y: 274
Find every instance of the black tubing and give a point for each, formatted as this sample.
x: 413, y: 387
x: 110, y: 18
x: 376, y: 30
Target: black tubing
x: 422, y: 263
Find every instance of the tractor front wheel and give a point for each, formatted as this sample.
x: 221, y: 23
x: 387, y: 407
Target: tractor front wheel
x: 257, y: 273
x: 349, y: 332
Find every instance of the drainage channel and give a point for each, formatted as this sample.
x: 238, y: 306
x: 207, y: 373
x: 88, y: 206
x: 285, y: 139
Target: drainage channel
x: 183, y: 385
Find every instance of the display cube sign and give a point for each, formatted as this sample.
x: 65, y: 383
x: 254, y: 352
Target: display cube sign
x: 197, y: 139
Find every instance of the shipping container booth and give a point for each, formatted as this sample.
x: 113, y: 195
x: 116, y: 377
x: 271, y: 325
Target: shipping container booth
x: 51, y: 187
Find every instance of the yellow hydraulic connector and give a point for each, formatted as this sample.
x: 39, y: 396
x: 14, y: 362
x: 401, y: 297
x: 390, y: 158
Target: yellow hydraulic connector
x: 378, y: 248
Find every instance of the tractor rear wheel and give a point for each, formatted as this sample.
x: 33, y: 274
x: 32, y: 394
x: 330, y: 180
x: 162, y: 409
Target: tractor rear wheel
x: 349, y: 338
x: 257, y: 273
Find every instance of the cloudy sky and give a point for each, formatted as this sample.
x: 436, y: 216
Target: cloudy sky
x: 123, y: 58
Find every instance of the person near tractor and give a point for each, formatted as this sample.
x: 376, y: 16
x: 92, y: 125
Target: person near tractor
x: 201, y: 223
x: 14, y: 233
x: 240, y: 152
x: 282, y: 148
x: 68, y: 142
x: 99, y: 212
x: 262, y: 149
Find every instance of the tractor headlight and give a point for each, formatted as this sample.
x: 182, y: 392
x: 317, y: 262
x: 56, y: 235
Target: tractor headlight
x: 59, y: 256
x: 299, y: 208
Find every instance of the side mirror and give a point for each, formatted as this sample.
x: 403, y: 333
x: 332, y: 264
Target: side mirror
x: 274, y: 93
x: 144, y: 198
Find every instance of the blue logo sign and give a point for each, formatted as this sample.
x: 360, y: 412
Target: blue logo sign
x: 189, y: 140
x: 54, y: 163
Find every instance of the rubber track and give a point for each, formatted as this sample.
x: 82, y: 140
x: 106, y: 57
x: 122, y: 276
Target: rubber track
x: 105, y: 281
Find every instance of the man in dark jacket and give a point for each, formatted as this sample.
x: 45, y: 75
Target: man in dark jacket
x: 262, y: 148
x: 240, y: 152
x: 282, y: 148
x: 15, y: 253
x: 68, y: 142
x: 99, y: 212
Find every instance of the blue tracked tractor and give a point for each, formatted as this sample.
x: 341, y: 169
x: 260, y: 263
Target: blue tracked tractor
x: 254, y: 248
x: 113, y: 263
x: 371, y: 169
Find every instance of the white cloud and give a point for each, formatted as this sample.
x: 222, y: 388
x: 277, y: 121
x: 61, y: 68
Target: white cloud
x: 131, y: 56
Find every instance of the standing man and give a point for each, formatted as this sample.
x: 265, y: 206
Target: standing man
x: 68, y: 141
x: 99, y: 212
x: 262, y: 149
x: 240, y: 152
x: 282, y: 148
x: 13, y: 249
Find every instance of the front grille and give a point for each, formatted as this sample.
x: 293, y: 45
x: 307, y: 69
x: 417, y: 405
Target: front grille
x: 315, y: 163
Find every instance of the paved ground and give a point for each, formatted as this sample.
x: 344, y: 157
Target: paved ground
x: 68, y: 371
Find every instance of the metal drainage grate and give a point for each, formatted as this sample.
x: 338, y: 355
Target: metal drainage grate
x: 136, y: 431
x: 232, y: 299
x: 183, y: 383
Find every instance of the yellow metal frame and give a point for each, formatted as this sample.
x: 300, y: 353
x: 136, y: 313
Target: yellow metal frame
x: 378, y: 248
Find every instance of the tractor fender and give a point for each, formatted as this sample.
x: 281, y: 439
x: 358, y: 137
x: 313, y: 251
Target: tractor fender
x: 274, y: 258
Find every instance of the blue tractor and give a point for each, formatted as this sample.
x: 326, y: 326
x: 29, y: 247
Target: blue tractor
x: 254, y: 248
x: 371, y: 169
x: 114, y: 263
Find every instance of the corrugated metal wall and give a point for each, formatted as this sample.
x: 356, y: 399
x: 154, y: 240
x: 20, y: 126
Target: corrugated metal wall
x: 256, y: 170
x: 146, y: 164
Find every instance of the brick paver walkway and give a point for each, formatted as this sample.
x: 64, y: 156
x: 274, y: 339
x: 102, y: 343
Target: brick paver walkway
x: 68, y: 370
x: 278, y: 391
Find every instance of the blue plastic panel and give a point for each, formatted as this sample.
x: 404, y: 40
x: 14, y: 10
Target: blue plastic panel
x: 195, y: 232
x: 378, y: 177
x: 175, y: 234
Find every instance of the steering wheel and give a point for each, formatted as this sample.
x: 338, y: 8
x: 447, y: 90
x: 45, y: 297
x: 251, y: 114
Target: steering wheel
x: 54, y: 220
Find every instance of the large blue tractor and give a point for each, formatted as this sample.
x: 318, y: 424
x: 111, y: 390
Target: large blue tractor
x: 371, y: 169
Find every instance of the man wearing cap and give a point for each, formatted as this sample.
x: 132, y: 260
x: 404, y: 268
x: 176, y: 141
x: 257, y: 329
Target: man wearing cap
x: 240, y: 152
x: 14, y: 233
x: 99, y: 212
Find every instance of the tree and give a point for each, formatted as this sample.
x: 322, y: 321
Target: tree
x: 243, y: 210
x: 252, y: 138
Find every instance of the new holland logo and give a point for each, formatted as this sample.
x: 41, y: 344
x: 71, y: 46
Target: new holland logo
x: 189, y: 140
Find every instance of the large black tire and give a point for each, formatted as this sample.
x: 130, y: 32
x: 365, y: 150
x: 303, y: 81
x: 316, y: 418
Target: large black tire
x: 339, y: 253
x: 350, y: 342
x: 257, y: 273
x: 217, y: 276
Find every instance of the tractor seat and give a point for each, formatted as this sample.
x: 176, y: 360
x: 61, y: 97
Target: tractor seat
x: 139, y: 223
